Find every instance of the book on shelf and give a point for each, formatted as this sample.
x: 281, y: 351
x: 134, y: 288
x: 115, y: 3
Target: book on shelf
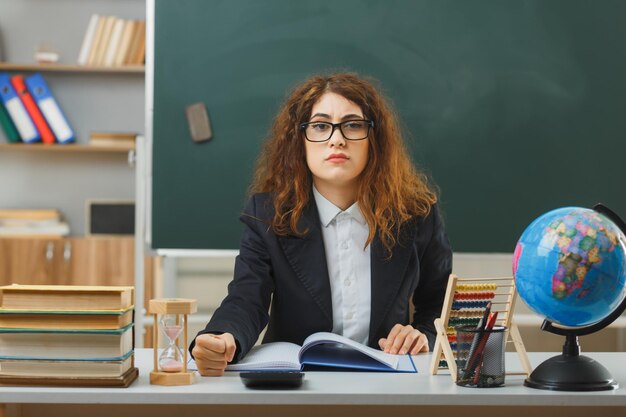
x: 33, y: 110
x: 88, y: 40
x: 114, y: 42
x: 77, y: 319
x: 25, y: 222
x: 30, y: 214
x: 8, y: 127
x: 16, y: 110
x: 321, y: 351
x: 113, y: 139
x: 61, y: 344
x: 40, y: 228
x: 97, y: 40
x: 70, y: 369
x: 138, y: 44
x: 104, y: 41
x: 50, y: 108
x: 134, y: 42
x: 65, y: 297
x: 124, y: 46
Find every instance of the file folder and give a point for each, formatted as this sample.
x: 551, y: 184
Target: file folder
x: 33, y: 110
x: 50, y: 108
x: 10, y: 131
x: 19, y: 115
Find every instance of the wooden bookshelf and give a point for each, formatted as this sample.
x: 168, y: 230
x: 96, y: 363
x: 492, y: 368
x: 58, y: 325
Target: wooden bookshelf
x: 38, y: 147
x: 127, y: 69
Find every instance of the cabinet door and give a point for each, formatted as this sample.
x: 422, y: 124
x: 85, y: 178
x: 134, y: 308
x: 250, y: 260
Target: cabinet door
x: 99, y: 261
x: 30, y: 260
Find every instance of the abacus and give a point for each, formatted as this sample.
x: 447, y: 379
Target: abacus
x: 464, y: 305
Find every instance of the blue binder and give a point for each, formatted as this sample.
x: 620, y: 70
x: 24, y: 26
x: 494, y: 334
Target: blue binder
x: 14, y: 106
x: 50, y: 108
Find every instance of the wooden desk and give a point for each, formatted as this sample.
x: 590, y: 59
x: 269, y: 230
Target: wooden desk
x: 323, y: 393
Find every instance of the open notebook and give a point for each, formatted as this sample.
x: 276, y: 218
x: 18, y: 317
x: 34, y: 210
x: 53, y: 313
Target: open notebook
x: 320, y: 350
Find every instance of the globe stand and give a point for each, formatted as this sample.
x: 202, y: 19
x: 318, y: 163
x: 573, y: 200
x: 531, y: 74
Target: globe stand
x: 572, y: 371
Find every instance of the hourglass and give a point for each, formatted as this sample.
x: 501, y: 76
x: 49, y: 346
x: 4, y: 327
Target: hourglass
x: 170, y: 367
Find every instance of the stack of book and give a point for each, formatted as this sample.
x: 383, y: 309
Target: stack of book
x: 112, y: 42
x: 66, y: 335
x: 32, y: 222
x: 29, y: 113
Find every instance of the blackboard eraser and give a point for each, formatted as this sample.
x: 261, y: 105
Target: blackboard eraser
x: 199, y: 123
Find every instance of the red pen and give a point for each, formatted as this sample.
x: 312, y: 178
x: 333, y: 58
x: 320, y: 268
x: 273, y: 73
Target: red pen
x: 482, y: 343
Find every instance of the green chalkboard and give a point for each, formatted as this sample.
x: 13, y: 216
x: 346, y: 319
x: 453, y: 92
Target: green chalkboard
x: 512, y: 107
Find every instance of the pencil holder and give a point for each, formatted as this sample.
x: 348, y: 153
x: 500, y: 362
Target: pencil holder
x: 480, y: 357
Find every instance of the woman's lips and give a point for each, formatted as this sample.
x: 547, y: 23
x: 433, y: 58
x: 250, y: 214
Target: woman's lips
x: 337, y: 158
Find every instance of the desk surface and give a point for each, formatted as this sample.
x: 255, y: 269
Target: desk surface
x: 335, y: 388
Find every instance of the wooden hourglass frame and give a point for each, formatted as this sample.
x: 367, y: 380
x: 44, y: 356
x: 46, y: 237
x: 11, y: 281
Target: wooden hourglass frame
x: 179, y: 307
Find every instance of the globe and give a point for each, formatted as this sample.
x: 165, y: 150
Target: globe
x: 570, y: 266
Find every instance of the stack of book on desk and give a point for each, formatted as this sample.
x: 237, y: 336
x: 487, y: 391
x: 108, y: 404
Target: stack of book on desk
x: 66, y: 335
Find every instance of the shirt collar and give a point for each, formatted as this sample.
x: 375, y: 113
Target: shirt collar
x: 328, y: 211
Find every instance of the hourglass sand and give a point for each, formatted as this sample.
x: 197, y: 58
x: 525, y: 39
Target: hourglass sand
x: 171, y: 359
x: 170, y: 368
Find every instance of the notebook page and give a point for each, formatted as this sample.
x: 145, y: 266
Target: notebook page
x: 276, y: 355
x: 325, y: 337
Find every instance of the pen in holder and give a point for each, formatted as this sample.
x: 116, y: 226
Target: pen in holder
x: 480, y: 356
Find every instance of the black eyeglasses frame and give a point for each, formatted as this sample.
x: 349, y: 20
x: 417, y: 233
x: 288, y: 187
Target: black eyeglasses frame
x: 370, y: 125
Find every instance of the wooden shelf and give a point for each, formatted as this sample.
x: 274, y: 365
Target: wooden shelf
x: 38, y: 147
x: 127, y: 69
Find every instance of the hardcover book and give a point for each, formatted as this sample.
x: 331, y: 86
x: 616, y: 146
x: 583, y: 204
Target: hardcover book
x: 113, y: 139
x: 88, y: 40
x: 59, y: 344
x: 76, y: 368
x: 321, y: 351
x: 30, y: 214
x: 81, y: 319
x: 65, y: 297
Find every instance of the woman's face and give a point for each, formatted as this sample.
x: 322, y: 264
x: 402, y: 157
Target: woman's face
x: 336, y: 163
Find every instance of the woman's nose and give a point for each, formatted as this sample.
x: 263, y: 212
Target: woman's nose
x: 337, y: 139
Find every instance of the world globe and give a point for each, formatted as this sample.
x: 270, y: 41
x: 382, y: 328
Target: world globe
x: 570, y: 266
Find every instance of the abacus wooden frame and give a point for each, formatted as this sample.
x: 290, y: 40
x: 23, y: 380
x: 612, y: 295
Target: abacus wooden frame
x: 504, y: 303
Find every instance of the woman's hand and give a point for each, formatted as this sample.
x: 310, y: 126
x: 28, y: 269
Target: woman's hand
x: 213, y: 352
x: 404, y: 339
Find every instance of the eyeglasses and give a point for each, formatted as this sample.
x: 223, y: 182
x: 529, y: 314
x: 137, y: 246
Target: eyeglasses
x: 350, y: 129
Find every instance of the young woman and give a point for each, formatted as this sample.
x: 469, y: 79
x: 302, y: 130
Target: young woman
x: 341, y: 233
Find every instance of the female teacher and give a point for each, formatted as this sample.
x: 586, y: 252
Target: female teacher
x: 341, y: 233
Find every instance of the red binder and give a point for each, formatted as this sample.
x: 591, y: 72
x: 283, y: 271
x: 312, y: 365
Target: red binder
x: 33, y: 110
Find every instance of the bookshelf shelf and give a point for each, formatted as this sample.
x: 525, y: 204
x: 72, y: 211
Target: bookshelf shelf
x: 71, y: 68
x: 38, y: 147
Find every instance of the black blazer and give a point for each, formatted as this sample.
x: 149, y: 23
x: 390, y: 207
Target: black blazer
x: 290, y: 273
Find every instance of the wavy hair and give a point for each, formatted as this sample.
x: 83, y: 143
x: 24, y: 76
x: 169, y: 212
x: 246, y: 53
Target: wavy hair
x: 390, y: 190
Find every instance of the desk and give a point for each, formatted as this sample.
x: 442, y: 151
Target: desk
x: 323, y: 393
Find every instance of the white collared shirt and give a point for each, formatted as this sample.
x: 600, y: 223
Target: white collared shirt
x: 345, y: 234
